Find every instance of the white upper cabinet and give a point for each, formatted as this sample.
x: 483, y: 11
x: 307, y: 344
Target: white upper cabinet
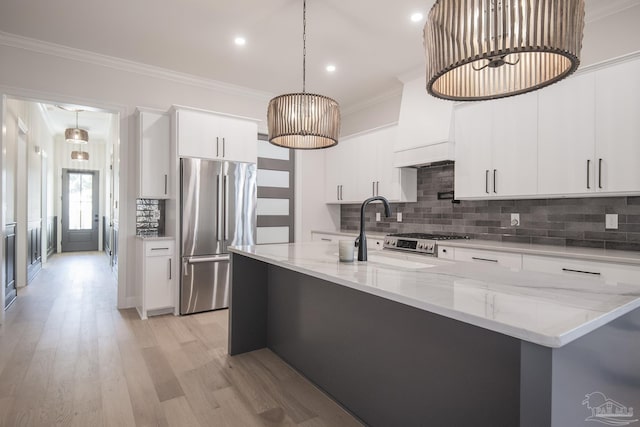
x: 496, y: 148
x: 617, y: 128
x: 206, y: 135
x: 362, y: 166
x: 566, y: 140
x: 153, y: 152
x: 340, y: 174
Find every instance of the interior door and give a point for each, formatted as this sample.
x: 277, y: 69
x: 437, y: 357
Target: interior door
x: 80, y: 219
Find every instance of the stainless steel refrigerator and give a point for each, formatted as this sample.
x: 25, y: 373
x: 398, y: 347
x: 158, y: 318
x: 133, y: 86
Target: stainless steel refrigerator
x: 218, y: 204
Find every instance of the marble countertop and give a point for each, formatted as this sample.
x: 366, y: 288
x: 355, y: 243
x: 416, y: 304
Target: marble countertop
x: 593, y: 254
x: 354, y: 234
x: 546, y: 309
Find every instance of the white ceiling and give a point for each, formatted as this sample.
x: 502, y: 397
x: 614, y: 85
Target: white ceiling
x: 371, y: 42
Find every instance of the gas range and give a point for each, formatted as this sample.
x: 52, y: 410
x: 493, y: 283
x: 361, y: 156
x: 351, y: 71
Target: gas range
x: 416, y: 242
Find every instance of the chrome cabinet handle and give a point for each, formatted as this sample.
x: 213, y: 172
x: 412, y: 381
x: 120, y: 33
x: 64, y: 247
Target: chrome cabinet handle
x: 217, y: 147
x: 165, y: 184
x: 223, y: 146
x: 324, y: 239
x: 599, y: 173
x: 486, y: 181
x: 494, y: 181
x: 377, y: 188
x: 337, y: 192
x: 588, y: 174
x: 373, y: 188
x: 581, y: 271
x: 159, y: 249
x: 484, y: 259
x: 169, y: 268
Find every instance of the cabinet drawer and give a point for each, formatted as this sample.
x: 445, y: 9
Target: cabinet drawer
x: 609, y: 272
x: 319, y: 237
x: 504, y: 259
x: 160, y: 248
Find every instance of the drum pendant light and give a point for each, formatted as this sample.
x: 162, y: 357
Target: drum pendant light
x: 303, y: 120
x: 79, y: 155
x: 487, y: 49
x: 76, y: 135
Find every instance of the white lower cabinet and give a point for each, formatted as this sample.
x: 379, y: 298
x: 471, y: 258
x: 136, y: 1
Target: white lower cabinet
x: 156, y: 276
x: 504, y: 259
x: 609, y: 272
x: 372, y: 243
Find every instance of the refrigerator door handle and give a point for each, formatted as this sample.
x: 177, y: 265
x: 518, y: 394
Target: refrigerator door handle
x: 225, y: 195
x: 201, y: 259
x: 218, y: 211
x: 185, y: 268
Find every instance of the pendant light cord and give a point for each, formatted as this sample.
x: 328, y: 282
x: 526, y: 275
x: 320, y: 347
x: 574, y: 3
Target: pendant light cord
x: 304, y: 45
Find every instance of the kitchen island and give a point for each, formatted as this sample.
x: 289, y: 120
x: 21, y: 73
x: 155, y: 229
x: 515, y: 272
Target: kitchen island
x: 406, y: 340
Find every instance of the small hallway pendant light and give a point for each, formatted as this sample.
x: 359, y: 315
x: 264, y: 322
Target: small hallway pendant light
x: 487, y: 49
x: 303, y: 120
x: 76, y: 135
x: 79, y: 155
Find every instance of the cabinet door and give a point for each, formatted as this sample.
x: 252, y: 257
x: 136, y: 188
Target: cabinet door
x: 239, y: 140
x: 340, y: 177
x: 514, y: 146
x: 154, y: 155
x: 388, y: 178
x: 566, y: 138
x: 618, y: 128
x: 366, y: 165
x: 473, y: 150
x: 199, y: 134
x: 158, y: 282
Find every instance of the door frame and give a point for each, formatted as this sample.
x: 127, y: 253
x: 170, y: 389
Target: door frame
x: 95, y: 203
x: 124, y: 150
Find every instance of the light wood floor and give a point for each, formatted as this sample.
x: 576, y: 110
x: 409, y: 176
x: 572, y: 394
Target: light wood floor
x: 69, y: 357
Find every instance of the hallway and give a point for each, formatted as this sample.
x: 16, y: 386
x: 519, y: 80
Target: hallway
x: 68, y: 357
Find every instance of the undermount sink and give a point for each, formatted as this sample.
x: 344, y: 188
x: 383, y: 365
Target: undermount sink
x: 398, y: 262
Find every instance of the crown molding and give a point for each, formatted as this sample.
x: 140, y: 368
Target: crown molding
x: 47, y: 48
x: 370, y: 102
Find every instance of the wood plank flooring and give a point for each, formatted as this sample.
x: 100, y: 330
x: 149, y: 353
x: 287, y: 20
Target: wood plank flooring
x: 68, y: 357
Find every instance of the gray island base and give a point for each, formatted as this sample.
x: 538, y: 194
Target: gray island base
x: 390, y: 364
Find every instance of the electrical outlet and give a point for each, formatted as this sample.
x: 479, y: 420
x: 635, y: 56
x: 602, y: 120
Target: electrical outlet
x: 611, y: 222
x: 515, y: 219
x: 399, y: 216
x: 377, y: 216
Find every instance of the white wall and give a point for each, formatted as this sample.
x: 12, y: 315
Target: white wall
x: 23, y: 174
x: 51, y: 73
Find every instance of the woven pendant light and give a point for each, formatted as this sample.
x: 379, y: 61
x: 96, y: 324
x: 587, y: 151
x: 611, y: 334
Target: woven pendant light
x: 487, y: 49
x: 303, y: 120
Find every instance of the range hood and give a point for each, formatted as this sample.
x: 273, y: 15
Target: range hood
x: 425, y: 126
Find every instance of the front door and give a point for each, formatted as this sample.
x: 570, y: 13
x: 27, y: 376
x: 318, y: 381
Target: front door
x: 80, y: 219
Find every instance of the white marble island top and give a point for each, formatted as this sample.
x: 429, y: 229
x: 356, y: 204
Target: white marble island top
x: 545, y: 309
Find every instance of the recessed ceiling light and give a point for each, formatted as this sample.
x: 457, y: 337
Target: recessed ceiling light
x: 331, y: 68
x: 240, y: 41
x: 416, y: 17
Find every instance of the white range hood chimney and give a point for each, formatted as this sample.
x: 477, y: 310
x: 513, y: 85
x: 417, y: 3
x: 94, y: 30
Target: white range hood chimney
x: 424, y: 127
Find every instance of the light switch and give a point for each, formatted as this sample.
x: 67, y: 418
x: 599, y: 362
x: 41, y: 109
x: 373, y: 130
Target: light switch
x: 611, y: 221
x: 377, y: 216
x: 399, y: 216
x: 515, y: 219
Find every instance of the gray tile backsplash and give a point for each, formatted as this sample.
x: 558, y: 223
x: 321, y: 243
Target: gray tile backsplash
x: 564, y: 222
x: 149, y: 217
